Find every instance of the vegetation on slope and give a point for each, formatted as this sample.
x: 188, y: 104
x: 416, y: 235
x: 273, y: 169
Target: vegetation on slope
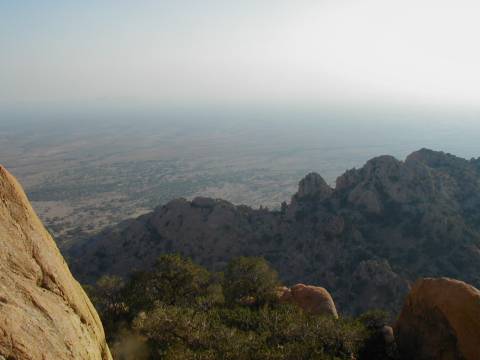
x: 179, y: 310
x: 366, y: 240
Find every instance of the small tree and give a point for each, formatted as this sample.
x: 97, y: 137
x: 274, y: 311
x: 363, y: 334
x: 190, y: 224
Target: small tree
x: 107, y: 297
x: 250, y: 281
x: 380, y: 342
x: 174, y: 280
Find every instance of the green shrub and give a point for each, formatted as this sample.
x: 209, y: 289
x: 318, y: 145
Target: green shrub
x: 250, y: 281
x: 107, y: 296
x: 283, y: 332
x: 173, y: 281
x: 177, y: 311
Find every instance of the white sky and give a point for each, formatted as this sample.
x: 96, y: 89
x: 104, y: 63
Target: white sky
x: 299, y: 52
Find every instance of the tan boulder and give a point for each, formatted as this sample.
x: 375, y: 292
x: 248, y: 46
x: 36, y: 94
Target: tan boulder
x: 440, y: 320
x: 44, y: 312
x: 312, y: 299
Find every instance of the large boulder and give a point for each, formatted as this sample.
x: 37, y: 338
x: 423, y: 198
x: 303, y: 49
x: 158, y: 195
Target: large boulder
x: 312, y: 299
x: 44, y: 313
x: 440, y: 320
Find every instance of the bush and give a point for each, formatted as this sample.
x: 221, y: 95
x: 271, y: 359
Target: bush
x: 250, y: 281
x: 107, y: 295
x: 377, y: 346
x: 185, y: 333
x: 177, y: 311
x: 173, y: 281
x: 283, y: 332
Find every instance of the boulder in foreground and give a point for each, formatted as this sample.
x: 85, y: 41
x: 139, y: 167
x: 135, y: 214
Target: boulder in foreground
x: 440, y: 320
x: 44, y: 312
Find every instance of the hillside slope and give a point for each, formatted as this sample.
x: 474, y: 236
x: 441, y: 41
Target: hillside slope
x: 366, y: 240
x: 44, y: 313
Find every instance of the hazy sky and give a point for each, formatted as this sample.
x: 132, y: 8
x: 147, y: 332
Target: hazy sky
x: 190, y: 52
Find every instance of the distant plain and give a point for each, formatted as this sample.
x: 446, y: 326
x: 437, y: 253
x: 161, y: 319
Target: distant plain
x: 84, y: 173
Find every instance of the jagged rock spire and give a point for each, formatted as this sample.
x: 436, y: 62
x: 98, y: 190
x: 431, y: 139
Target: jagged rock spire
x: 313, y: 185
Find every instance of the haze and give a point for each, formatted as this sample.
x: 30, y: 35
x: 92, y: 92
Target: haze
x: 139, y: 54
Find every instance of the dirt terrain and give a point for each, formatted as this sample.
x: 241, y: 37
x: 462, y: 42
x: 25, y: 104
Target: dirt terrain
x: 83, y: 175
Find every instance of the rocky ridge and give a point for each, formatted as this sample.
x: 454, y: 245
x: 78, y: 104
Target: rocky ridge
x: 366, y: 240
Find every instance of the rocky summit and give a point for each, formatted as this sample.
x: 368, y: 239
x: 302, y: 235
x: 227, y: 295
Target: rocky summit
x: 366, y: 240
x: 44, y: 313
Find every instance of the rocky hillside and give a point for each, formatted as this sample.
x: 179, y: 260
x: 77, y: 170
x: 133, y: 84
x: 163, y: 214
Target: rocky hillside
x: 366, y: 240
x: 44, y: 313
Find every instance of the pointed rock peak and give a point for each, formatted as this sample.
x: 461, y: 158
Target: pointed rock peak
x: 381, y: 168
x: 203, y: 202
x: 425, y: 156
x: 436, y: 158
x: 313, y: 185
x: 176, y: 204
x: 44, y: 312
x: 382, y: 161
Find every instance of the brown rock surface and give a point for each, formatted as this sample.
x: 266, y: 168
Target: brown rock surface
x: 44, y: 313
x: 440, y: 320
x: 312, y: 299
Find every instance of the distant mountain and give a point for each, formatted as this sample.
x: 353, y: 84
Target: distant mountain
x: 366, y: 240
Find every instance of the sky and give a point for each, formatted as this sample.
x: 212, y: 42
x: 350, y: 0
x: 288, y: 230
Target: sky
x: 191, y: 53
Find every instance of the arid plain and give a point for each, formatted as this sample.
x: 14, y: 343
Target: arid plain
x: 84, y: 175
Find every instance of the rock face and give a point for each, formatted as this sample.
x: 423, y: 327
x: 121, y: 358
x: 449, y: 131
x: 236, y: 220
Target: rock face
x: 374, y: 282
x: 440, y: 320
x: 44, y: 313
x: 313, y: 185
x: 385, y: 225
x: 312, y: 299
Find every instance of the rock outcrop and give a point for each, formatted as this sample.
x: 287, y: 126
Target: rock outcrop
x: 385, y: 225
x: 44, y: 313
x: 313, y: 185
x: 312, y: 299
x: 440, y: 320
x: 374, y: 281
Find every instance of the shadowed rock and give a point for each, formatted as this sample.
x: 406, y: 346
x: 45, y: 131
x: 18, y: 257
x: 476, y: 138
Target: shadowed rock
x: 313, y: 185
x: 440, y: 320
